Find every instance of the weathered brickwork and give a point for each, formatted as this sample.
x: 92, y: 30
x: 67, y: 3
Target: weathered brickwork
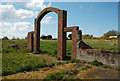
x: 76, y: 33
x: 62, y: 24
x: 106, y: 57
x: 79, y: 50
x: 30, y: 39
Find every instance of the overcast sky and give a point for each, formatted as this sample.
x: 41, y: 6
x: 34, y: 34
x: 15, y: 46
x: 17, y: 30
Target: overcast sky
x: 94, y: 18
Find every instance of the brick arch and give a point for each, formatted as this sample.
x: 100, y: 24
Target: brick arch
x: 62, y: 23
x: 47, y: 10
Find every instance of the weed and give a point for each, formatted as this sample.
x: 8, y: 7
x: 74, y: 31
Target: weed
x: 105, y: 66
x: 59, y: 63
x: 67, y: 62
x: 96, y: 63
x: 58, y: 58
x: 86, y: 67
x: 35, y: 52
x: 74, y: 60
x: 65, y: 74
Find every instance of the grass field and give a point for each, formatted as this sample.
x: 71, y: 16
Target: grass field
x: 51, y: 45
x: 15, y: 58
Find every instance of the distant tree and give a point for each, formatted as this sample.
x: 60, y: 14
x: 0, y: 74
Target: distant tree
x: 25, y: 38
x: 49, y: 37
x: 70, y: 36
x: 111, y: 33
x: 18, y: 38
x: 43, y: 37
x: 13, y: 38
x: 5, y: 38
x: 87, y: 36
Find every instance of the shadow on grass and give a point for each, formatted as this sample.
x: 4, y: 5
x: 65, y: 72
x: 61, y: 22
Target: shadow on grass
x: 67, y: 58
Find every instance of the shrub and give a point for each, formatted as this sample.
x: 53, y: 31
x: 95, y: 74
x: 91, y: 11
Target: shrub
x: 35, y: 52
x: 54, y: 76
x: 51, y: 65
x: 86, y: 67
x: 74, y: 60
x: 55, y: 52
x: 96, y: 63
x: 58, y: 58
x: 65, y: 74
x: 67, y: 62
x: 5, y: 38
x: 118, y: 68
x: 59, y: 63
x: 105, y: 66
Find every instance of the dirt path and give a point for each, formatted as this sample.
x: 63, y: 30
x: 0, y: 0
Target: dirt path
x: 46, y: 57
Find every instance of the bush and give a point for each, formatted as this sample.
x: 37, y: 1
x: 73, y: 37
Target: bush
x: 65, y: 74
x: 55, y: 52
x: 96, y: 63
x: 118, y: 68
x: 54, y: 76
x: 67, y: 62
x: 51, y: 65
x: 59, y: 63
x: 86, y: 67
x: 35, y: 52
x: 58, y: 58
x: 5, y: 38
x: 74, y: 60
x: 105, y: 66
x: 87, y: 36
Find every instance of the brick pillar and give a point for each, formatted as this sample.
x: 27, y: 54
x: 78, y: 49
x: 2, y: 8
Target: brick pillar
x: 28, y: 41
x: 62, y: 23
x: 37, y: 36
x: 31, y: 41
x: 74, y: 42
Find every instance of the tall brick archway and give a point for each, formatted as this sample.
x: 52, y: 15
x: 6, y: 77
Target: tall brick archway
x: 34, y: 36
x: 62, y: 23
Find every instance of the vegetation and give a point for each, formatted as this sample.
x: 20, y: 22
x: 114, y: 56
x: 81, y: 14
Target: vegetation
x: 5, y: 38
x: 87, y: 36
x: 48, y: 37
x: 110, y: 33
x: 63, y: 75
x: 86, y: 67
x: 74, y: 60
x: 96, y: 63
x: 16, y: 60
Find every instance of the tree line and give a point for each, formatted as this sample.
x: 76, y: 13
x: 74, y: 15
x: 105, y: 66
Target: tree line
x: 86, y: 36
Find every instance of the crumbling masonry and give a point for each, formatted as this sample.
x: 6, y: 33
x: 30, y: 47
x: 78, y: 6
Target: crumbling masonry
x: 34, y: 36
x: 80, y: 50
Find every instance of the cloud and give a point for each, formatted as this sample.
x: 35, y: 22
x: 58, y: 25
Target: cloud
x: 20, y: 26
x: 18, y: 29
x: 47, y: 20
x: 37, y: 4
x: 9, y: 12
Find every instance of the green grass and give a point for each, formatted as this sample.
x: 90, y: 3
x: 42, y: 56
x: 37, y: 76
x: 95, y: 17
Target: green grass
x: 16, y: 60
x: 109, y: 45
x: 63, y: 75
x: 96, y: 63
x: 50, y: 46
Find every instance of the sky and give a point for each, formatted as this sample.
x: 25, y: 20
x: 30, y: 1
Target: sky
x: 94, y: 18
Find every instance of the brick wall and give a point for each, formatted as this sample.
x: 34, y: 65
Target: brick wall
x: 106, y: 57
